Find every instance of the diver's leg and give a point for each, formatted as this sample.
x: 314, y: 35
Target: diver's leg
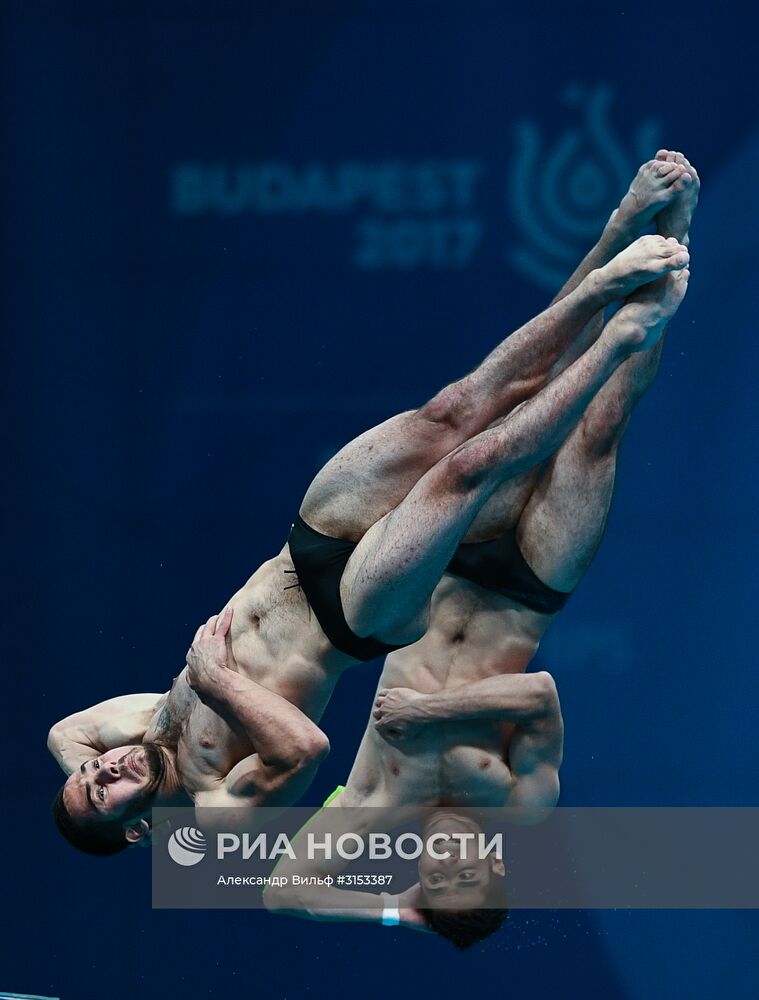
x: 658, y: 185
x: 675, y: 218
x: 563, y: 522
x: 391, y: 574
x: 375, y: 471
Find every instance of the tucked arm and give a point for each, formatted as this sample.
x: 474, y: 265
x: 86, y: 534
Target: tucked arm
x: 535, y: 755
x: 288, y: 746
x: 519, y: 698
x: 530, y: 701
x: 330, y: 903
x: 121, y: 721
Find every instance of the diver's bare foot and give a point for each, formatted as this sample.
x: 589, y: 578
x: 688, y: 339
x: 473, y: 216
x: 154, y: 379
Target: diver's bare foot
x: 654, y: 186
x: 645, y: 260
x: 641, y: 321
x: 674, y: 218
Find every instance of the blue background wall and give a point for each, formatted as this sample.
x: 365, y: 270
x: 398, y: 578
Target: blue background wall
x: 176, y: 374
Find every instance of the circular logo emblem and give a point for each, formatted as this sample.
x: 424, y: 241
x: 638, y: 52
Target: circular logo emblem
x: 187, y: 846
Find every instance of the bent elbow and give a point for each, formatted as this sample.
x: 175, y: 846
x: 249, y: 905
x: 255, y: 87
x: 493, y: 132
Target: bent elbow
x: 312, y: 749
x: 54, y: 738
x: 320, y: 747
x: 546, y: 693
x: 272, y: 898
x: 280, y: 899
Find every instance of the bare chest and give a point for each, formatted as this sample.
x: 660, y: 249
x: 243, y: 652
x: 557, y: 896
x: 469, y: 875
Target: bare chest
x: 452, y: 764
x: 207, y: 746
x: 208, y: 749
x: 475, y: 773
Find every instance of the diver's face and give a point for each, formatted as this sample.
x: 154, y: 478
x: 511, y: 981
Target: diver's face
x: 462, y: 880
x: 116, y: 784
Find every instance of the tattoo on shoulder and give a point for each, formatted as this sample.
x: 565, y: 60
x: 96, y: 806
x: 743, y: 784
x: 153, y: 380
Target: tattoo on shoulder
x: 166, y: 728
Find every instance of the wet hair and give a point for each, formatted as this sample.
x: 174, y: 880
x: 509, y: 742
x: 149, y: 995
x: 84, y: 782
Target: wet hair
x: 463, y: 928
x: 101, y: 838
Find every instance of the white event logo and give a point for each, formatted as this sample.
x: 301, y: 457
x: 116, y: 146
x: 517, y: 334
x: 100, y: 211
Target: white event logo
x: 187, y: 846
x: 561, y: 198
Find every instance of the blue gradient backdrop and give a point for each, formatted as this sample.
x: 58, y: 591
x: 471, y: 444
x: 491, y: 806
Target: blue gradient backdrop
x: 176, y: 376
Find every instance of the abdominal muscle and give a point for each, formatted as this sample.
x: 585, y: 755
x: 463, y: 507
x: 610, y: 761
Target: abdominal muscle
x: 473, y: 634
x: 276, y: 643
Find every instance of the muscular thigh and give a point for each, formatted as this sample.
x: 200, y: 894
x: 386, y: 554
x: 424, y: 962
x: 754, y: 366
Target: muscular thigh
x: 374, y: 472
x: 502, y: 511
x: 563, y: 523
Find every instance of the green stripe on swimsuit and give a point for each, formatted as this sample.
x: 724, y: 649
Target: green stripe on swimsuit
x: 333, y: 795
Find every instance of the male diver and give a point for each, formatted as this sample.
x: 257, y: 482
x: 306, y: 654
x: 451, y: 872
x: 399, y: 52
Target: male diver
x: 456, y: 722
x: 377, y: 529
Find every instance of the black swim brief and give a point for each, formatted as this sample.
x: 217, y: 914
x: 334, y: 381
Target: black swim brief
x: 319, y: 562
x: 498, y: 565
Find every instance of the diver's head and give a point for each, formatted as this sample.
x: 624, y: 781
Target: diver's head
x: 463, y: 895
x: 102, y: 807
